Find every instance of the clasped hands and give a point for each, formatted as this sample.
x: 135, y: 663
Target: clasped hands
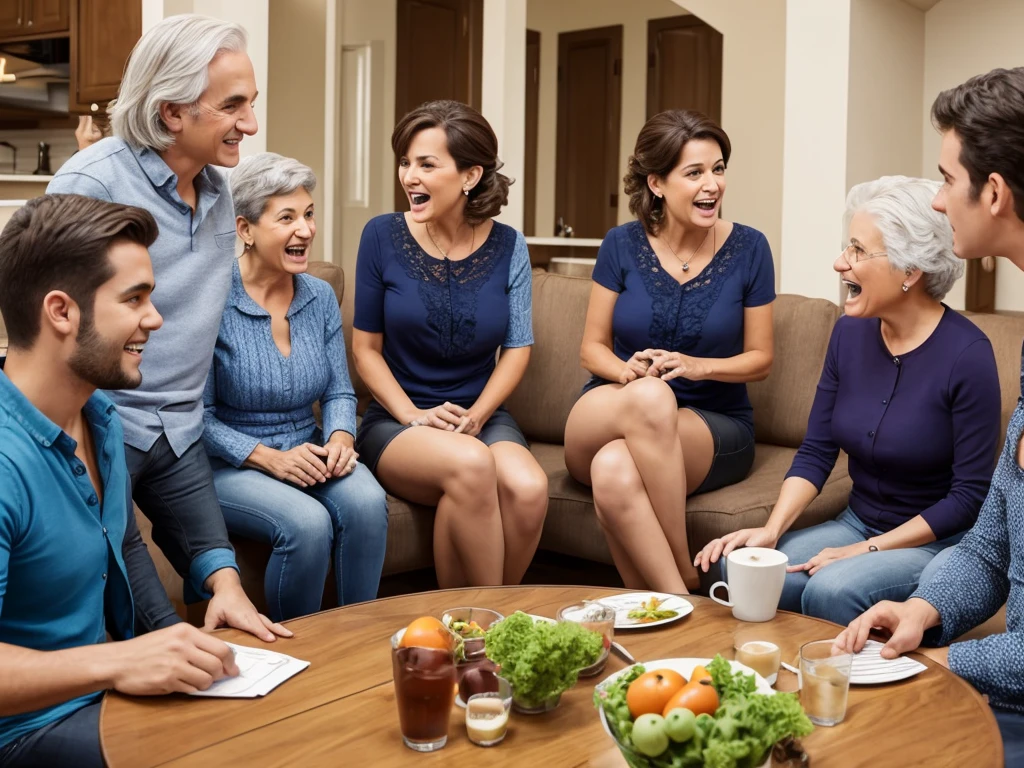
x: 450, y: 418
x: 308, y: 464
x: 664, y: 365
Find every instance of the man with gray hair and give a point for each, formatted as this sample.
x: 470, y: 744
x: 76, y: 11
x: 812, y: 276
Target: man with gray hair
x: 184, y: 105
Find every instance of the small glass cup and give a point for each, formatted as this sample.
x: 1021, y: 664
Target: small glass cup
x: 762, y: 656
x: 824, y: 682
x: 425, y: 684
x: 484, y: 617
x: 487, y: 715
x: 595, y: 616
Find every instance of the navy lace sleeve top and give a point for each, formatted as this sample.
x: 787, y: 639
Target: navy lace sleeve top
x: 702, y: 318
x: 920, y: 429
x: 442, y: 320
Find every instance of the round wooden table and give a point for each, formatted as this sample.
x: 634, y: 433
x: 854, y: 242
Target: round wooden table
x: 341, y: 710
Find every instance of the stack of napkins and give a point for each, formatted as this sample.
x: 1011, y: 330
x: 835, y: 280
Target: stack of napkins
x: 259, y: 672
x: 869, y: 668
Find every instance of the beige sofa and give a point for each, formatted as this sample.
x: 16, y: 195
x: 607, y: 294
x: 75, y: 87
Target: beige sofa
x: 542, y: 402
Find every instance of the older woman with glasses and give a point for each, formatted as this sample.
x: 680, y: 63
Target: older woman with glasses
x: 910, y: 391
x: 280, y: 477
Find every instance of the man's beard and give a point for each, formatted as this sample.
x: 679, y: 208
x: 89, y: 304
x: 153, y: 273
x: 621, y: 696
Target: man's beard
x: 98, y: 360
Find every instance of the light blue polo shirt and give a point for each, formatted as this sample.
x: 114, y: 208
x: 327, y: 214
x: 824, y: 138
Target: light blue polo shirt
x: 60, y: 548
x: 192, y: 260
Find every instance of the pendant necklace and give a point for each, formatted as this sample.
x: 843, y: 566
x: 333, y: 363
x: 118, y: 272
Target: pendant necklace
x: 686, y: 264
x: 471, y: 244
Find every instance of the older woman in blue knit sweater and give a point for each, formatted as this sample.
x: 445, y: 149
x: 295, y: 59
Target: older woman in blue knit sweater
x: 279, y: 477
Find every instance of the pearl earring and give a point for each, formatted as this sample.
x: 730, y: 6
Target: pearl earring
x: 906, y: 287
x: 465, y: 191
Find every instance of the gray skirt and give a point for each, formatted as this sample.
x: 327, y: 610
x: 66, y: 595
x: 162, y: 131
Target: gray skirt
x: 378, y: 428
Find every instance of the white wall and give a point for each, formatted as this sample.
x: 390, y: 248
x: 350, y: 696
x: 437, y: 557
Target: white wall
x: 964, y: 38
x: 814, y: 177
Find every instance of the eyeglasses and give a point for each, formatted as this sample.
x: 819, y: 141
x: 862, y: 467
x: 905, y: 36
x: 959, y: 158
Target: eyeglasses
x: 854, y: 254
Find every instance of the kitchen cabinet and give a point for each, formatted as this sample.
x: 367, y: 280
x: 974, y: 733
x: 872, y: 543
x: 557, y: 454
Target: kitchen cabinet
x: 105, y: 31
x: 34, y: 18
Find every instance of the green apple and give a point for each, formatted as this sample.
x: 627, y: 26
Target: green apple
x: 649, y: 735
x: 680, y: 725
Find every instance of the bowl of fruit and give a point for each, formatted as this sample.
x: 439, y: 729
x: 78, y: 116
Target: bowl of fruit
x: 690, y: 713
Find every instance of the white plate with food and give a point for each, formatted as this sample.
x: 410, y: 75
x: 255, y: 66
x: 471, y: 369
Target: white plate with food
x: 638, y: 610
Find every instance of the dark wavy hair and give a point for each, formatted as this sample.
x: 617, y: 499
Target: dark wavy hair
x: 658, y: 149
x: 987, y: 115
x: 60, y: 242
x: 471, y: 141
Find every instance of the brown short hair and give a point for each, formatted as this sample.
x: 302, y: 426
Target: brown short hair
x: 60, y: 242
x: 987, y: 115
x: 471, y: 141
x: 657, y: 151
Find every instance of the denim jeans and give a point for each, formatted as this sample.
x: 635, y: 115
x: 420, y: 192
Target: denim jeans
x: 844, y: 589
x: 73, y: 740
x: 1011, y: 727
x: 344, y: 519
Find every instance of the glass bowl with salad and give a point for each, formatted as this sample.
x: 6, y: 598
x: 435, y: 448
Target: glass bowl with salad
x: 471, y: 624
x: 678, y: 713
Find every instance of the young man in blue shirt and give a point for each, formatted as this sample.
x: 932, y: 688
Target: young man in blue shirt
x: 184, y: 105
x: 75, y: 285
x: 982, y: 165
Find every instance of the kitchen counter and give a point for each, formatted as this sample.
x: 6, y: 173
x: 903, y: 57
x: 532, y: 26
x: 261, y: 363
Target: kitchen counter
x: 25, y: 177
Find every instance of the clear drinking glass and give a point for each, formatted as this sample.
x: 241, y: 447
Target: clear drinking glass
x: 597, y: 617
x: 761, y: 655
x: 824, y: 682
x: 487, y: 715
x: 425, y: 683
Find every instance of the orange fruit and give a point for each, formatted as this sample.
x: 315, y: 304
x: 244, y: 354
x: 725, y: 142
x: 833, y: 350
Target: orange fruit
x: 699, y: 697
x: 648, y: 693
x: 427, y: 632
x: 699, y: 673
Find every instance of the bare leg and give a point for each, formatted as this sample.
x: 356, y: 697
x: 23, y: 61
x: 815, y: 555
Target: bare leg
x: 698, y: 447
x: 456, y: 473
x: 523, y: 500
x: 641, y: 550
x: 644, y: 414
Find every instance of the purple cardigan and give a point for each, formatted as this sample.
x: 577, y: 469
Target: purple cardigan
x: 920, y: 429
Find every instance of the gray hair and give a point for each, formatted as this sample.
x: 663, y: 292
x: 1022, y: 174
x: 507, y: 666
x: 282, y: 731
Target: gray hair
x: 169, y: 64
x: 916, y: 236
x: 260, y: 177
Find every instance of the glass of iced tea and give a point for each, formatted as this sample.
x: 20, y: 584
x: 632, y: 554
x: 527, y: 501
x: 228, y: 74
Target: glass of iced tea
x: 762, y: 656
x: 425, y: 684
x: 824, y: 682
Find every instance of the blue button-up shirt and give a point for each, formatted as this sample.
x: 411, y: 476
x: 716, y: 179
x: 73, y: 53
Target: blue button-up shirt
x: 61, y: 561
x: 192, y: 261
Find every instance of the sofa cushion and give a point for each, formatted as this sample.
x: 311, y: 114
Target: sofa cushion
x: 543, y: 399
x: 571, y: 527
x: 1005, y: 332
x: 782, y: 402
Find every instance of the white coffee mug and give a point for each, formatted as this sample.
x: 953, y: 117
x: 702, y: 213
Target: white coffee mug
x: 755, y: 576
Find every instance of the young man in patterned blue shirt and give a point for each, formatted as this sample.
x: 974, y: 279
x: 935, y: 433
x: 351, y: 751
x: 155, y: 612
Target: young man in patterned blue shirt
x: 982, y: 164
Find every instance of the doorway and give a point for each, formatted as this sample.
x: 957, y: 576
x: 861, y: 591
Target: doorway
x: 532, y: 132
x: 448, y: 36
x: 589, y: 119
x: 684, y: 66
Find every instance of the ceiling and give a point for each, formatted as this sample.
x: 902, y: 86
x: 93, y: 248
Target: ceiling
x: 924, y: 5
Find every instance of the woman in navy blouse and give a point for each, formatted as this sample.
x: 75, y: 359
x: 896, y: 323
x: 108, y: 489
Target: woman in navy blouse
x: 280, y: 349
x: 438, y: 291
x: 910, y: 391
x: 680, y: 318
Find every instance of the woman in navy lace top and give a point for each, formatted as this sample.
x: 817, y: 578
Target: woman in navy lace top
x: 679, y: 320
x: 438, y: 291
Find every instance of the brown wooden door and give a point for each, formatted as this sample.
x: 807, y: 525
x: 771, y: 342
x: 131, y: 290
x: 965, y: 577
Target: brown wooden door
x: 12, y: 18
x: 684, y: 66
x: 47, y: 16
x: 980, y: 291
x: 439, y: 56
x: 107, y: 30
x: 532, y: 132
x: 589, y: 114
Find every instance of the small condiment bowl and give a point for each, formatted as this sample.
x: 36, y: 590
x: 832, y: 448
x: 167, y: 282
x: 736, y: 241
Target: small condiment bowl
x: 487, y: 715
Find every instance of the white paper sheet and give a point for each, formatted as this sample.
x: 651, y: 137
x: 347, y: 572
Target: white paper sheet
x: 260, y: 672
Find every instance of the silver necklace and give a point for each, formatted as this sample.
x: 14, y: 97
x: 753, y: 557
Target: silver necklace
x: 686, y: 264
x: 442, y: 251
